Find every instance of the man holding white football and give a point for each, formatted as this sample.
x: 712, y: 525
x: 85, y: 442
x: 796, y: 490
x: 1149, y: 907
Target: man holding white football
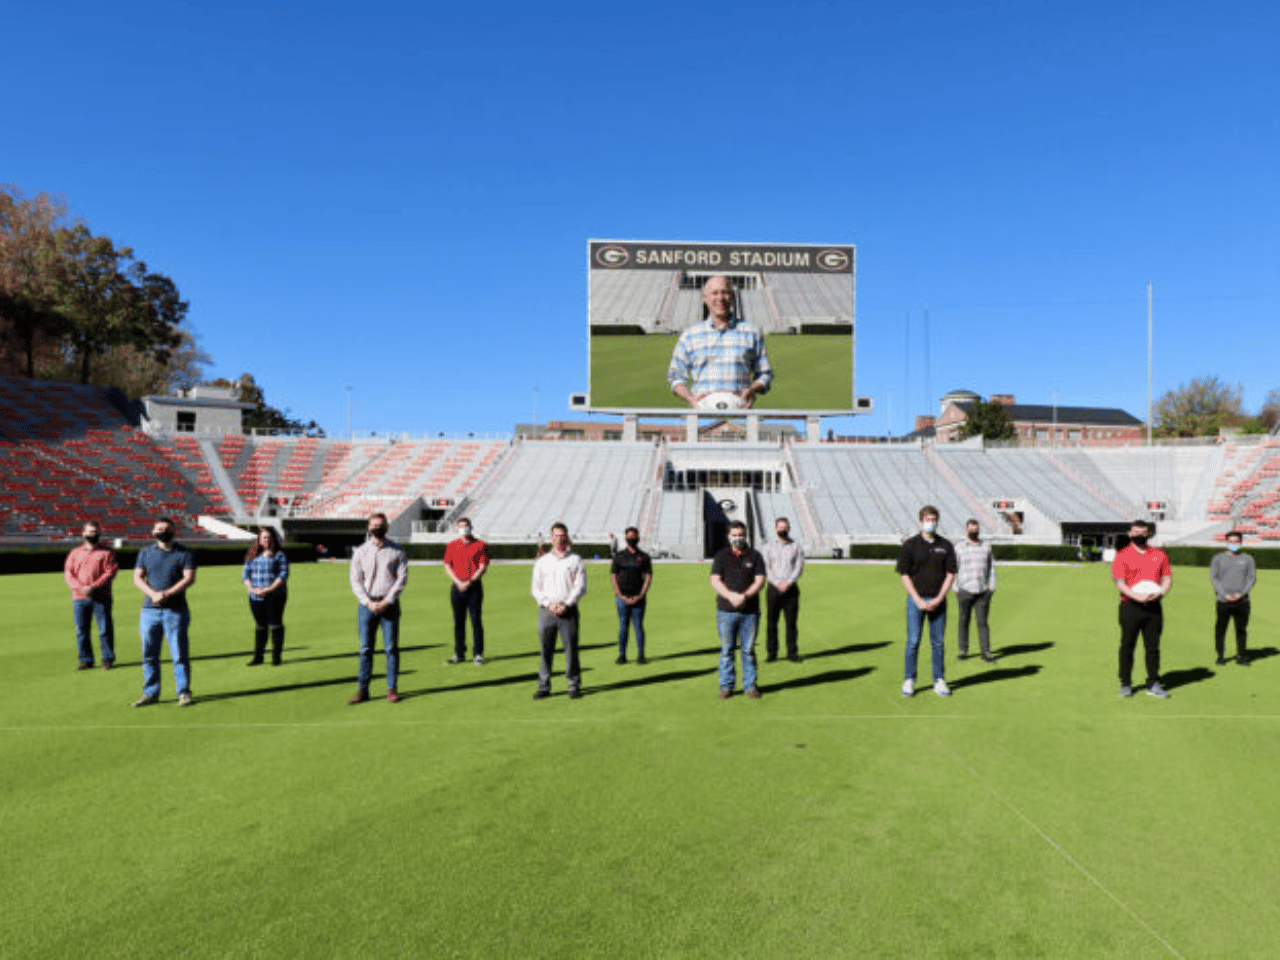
x: 1143, y: 576
x: 722, y: 355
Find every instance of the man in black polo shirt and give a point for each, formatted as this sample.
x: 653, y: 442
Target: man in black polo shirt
x: 631, y: 573
x: 737, y: 574
x: 927, y: 565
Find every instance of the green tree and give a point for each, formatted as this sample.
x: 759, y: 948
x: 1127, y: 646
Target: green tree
x: 1269, y: 415
x: 991, y: 421
x: 110, y: 299
x: 1200, y: 408
x: 263, y: 416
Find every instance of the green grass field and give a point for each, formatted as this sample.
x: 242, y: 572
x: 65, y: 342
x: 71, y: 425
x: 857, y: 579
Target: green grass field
x: 811, y: 372
x: 1033, y: 814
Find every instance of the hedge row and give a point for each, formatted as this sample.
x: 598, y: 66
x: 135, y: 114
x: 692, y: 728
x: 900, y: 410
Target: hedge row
x: 51, y: 559
x: 503, y: 551
x: 1001, y: 551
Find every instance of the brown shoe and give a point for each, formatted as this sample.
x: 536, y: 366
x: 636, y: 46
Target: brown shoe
x: 360, y: 697
x: 146, y: 701
x: 108, y: 664
x: 725, y: 693
x: 84, y: 666
x: 753, y: 693
x: 392, y: 696
x: 988, y: 658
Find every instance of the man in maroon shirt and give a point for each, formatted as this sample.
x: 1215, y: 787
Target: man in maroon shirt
x: 465, y: 561
x: 89, y: 570
x: 1141, y: 565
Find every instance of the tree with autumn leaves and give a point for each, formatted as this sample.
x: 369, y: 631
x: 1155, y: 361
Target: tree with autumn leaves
x: 74, y: 305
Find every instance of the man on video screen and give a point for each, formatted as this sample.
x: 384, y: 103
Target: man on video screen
x: 722, y: 354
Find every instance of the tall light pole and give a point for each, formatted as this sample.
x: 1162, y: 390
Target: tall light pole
x: 1149, y: 343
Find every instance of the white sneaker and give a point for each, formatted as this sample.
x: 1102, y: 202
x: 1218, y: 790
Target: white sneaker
x: 941, y: 689
x: 908, y: 687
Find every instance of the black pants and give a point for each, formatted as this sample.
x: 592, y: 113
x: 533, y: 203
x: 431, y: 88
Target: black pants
x: 467, y: 602
x: 785, y: 604
x: 1147, y: 619
x: 1239, y: 612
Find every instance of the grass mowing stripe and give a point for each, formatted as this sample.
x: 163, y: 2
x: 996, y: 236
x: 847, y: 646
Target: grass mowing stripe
x: 1084, y: 871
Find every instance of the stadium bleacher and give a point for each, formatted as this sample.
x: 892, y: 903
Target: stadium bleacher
x: 67, y: 452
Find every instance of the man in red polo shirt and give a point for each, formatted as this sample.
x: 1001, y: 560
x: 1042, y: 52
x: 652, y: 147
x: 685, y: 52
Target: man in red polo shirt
x: 465, y: 561
x: 1139, y: 565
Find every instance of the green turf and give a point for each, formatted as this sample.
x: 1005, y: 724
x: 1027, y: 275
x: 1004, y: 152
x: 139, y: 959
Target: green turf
x: 1032, y: 814
x: 811, y: 372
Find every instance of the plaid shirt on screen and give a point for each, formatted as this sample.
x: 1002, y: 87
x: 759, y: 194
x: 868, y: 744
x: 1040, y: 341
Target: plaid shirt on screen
x: 708, y: 359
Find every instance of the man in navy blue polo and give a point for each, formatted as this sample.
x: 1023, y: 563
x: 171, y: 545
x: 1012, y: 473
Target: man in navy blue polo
x: 163, y: 572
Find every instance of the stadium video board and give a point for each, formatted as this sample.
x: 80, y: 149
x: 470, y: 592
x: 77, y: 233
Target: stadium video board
x: 718, y: 318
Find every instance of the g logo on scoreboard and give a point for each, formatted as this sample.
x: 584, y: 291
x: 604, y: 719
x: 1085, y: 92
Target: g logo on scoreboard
x: 832, y: 260
x: 612, y: 255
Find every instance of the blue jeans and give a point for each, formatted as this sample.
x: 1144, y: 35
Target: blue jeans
x: 155, y: 624
x: 630, y: 617
x: 84, y: 612
x: 937, y: 628
x: 368, y: 627
x: 737, y: 629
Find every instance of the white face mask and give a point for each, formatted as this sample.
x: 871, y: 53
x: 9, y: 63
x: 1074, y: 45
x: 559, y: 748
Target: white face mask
x: 1233, y: 547
x: 929, y: 526
x: 464, y: 531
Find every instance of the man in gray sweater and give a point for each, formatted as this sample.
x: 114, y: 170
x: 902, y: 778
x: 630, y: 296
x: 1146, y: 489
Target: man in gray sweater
x: 1233, y: 575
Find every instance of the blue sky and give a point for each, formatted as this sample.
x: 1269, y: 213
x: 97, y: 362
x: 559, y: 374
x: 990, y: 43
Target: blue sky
x: 397, y: 197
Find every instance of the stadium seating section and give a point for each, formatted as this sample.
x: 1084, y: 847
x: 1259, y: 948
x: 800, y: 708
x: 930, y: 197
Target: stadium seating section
x: 67, y: 453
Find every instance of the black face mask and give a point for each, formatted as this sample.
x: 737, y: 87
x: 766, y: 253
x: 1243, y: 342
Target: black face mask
x: 633, y: 542
x: 1140, y: 540
x: 377, y: 532
x: 91, y: 539
x: 165, y: 536
x: 973, y: 535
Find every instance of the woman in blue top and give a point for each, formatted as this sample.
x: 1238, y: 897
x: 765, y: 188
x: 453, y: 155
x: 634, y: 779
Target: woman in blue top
x: 266, y: 575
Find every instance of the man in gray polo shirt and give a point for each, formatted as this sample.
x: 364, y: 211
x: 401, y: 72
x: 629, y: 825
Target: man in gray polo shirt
x: 1233, y: 575
x: 783, y: 564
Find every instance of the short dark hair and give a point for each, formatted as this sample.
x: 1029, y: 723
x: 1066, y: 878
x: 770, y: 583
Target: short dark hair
x: 559, y: 526
x: 379, y: 516
x: 778, y: 520
x: 631, y: 530
x: 928, y: 510
x: 168, y: 520
x: 974, y: 521
x: 462, y: 520
x: 738, y: 525
x: 1145, y: 524
x: 1235, y: 533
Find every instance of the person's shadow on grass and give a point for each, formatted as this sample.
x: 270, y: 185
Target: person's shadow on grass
x: 1000, y: 673
x: 1172, y: 679
x: 289, y: 687
x: 848, y: 648
x: 644, y: 680
x: 475, y: 685
x: 816, y: 679
x: 1014, y: 649
x: 1262, y: 653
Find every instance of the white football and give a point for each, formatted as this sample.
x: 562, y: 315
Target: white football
x: 1144, y: 588
x: 721, y: 400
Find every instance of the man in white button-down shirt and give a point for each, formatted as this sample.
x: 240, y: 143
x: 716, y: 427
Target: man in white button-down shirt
x: 559, y: 581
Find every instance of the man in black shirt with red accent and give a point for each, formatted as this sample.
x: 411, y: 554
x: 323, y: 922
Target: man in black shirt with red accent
x: 631, y: 573
x: 737, y: 574
x: 927, y: 565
